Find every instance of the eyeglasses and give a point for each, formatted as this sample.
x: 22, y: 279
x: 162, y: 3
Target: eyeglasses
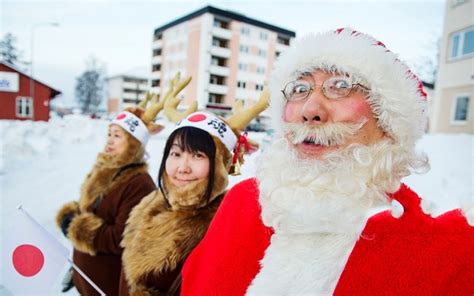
x: 334, y: 87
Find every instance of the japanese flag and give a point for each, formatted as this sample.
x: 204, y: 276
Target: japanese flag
x: 32, y: 260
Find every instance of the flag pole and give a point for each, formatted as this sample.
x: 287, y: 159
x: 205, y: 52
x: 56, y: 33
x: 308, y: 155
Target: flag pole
x: 20, y: 207
x: 86, y: 278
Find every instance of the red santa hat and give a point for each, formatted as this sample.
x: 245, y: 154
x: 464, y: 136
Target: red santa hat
x: 396, y: 94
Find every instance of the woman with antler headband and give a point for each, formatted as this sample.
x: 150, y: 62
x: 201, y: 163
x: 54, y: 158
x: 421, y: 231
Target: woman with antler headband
x: 167, y: 224
x: 116, y: 183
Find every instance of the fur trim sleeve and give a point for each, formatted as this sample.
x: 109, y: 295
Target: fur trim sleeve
x: 83, y: 230
x: 68, y: 208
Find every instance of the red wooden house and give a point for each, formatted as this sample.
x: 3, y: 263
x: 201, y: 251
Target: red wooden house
x: 18, y: 100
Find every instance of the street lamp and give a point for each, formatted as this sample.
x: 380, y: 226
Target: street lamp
x: 32, y: 85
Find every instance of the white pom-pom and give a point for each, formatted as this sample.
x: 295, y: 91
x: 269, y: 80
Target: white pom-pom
x: 468, y: 211
x: 396, y: 209
x: 428, y: 207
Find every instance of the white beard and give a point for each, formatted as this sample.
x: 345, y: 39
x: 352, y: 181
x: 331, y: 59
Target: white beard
x: 318, y: 209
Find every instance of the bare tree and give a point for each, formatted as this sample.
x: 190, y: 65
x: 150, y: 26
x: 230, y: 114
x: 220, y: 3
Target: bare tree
x: 89, y: 89
x: 426, y: 66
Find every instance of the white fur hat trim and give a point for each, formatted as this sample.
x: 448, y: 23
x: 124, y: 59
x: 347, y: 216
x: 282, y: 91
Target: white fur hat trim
x: 396, y: 94
x: 133, y: 125
x: 213, y: 125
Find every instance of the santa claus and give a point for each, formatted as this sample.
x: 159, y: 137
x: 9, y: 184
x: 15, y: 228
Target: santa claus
x: 327, y: 213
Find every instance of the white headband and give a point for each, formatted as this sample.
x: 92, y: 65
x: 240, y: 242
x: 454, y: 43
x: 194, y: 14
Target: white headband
x: 133, y: 125
x: 211, y: 124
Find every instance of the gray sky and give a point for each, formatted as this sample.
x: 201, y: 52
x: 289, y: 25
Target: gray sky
x: 119, y: 33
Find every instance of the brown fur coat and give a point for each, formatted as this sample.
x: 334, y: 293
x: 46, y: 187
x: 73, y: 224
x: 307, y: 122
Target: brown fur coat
x: 105, y: 177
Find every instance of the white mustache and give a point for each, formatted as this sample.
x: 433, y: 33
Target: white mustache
x: 328, y: 134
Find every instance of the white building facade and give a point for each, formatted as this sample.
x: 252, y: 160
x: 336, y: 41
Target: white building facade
x: 125, y: 91
x: 454, y: 88
x: 229, y: 56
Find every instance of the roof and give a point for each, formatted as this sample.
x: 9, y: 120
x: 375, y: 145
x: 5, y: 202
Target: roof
x: 142, y: 72
x: 54, y: 92
x: 226, y: 14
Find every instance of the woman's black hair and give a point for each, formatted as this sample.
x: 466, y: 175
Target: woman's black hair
x: 192, y: 140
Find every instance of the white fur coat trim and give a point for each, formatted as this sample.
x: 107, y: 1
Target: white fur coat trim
x: 302, y: 264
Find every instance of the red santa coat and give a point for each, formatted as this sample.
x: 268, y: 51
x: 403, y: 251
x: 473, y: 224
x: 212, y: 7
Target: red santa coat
x: 411, y: 255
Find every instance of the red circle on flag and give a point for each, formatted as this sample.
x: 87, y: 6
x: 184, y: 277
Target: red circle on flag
x: 28, y: 260
x: 121, y: 116
x: 197, y: 118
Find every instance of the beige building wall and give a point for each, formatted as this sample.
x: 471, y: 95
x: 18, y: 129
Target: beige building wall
x: 455, y: 77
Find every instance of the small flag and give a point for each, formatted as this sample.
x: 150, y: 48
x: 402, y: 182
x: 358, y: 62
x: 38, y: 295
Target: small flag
x: 32, y: 260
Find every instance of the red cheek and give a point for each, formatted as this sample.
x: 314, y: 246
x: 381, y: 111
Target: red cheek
x: 361, y: 109
x: 290, y: 112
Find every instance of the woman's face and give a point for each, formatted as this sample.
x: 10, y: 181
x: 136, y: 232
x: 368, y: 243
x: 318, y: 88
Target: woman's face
x: 116, y: 141
x: 184, y: 168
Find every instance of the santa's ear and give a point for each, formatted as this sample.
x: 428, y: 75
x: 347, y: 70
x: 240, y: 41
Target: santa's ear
x: 154, y: 128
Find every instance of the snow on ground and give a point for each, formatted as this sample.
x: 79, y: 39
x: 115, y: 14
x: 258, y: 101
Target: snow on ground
x: 42, y: 165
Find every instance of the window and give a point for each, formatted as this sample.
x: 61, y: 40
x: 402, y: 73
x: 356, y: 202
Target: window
x: 462, y: 44
x: 215, y: 98
x: 214, y: 79
x: 155, y: 83
x: 242, y: 67
x: 457, y: 2
x: 156, y: 67
x: 263, y: 36
x: 461, y: 107
x: 260, y: 70
x: 262, y: 53
x: 221, y: 23
x: 244, y: 48
x: 218, y: 61
x: 245, y: 31
x: 241, y: 84
x: 219, y: 42
x: 157, y: 52
x: 24, y: 106
x: 259, y: 87
x: 159, y: 36
x: 283, y: 40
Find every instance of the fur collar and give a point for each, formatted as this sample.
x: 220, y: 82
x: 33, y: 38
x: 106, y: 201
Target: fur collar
x: 107, y: 174
x: 157, y: 239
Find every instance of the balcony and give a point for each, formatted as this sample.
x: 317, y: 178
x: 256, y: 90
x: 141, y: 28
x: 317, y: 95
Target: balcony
x: 220, y: 89
x: 156, y: 75
x: 135, y: 85
x: 156, y: 60
x: 220, y: 52
x: 221, y: 33
x: 219, y: 70
x: 157, y: 44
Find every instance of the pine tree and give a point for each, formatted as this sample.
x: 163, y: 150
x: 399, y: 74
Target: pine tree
x: 8, y: 50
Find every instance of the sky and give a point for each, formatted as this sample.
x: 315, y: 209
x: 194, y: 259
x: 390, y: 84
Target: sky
x: 119, y: 33
x: 52, y: 159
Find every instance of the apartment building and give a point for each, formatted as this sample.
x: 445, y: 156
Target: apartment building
x: 124, y: 91
x: 454, y: 88
x: 229, y: 56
